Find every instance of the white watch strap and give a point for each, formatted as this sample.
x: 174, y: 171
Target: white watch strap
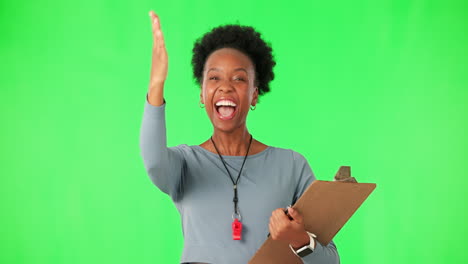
x: 311, y: 245
x: 292, y: 249
x: 312, y: 239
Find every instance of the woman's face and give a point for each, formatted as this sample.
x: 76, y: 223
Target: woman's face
x: 228, y: 88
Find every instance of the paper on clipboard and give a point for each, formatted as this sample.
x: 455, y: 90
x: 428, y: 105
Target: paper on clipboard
x: 326, y: 206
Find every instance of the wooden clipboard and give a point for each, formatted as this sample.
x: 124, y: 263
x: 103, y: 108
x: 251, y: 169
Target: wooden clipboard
x: 326, y: 206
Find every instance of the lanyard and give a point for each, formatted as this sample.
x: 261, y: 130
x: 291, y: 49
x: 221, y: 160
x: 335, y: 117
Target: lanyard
x: 235, y: 200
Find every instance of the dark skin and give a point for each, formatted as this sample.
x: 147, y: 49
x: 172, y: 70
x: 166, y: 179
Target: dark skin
x: 228, y: 74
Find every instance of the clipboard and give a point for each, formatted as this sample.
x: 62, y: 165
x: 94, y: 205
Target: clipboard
x: 326, y: 206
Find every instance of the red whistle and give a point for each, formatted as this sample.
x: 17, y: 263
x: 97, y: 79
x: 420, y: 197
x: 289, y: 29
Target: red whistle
x: 236, y: 229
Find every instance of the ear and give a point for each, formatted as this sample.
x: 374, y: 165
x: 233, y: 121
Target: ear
x: 255, y: 96
x: 201, y: 96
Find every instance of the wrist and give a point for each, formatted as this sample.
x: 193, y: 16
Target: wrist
x: 305, y: 249
x: 304, y: 240
x: 156, y: 84
x: 155, y: 95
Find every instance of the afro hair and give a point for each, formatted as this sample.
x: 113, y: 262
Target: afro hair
x: 242, y: 38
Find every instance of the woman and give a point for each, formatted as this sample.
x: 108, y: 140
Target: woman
x: 231, y: 189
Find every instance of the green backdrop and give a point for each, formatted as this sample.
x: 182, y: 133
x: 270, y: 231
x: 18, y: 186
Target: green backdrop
x: 380, y: 86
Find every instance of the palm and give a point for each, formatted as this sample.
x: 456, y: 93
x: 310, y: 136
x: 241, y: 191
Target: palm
x: 159, y: 63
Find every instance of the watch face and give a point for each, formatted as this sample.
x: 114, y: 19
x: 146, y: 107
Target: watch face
x: 305, y: 252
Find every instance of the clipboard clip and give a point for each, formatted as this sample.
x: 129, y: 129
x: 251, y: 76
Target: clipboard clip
x: 344, y: 175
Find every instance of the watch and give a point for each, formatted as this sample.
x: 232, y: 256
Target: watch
x: 307, y: 249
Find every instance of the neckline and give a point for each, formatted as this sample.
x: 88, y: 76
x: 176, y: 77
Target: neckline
x: 234, y: 157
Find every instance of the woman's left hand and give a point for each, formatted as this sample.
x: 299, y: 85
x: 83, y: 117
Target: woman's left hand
x: 291, y: 231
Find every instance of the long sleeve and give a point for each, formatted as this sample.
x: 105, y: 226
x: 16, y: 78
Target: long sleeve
x: 322, y: 254
x: 165, y: 166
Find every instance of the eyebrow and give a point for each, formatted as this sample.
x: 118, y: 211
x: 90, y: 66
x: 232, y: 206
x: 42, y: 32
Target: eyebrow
x: 217, y: 69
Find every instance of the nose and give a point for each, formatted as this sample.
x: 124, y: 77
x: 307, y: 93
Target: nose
x: 226, y: 86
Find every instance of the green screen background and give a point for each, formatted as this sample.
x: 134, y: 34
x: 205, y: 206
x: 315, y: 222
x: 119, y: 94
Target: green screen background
x: 380, y: 86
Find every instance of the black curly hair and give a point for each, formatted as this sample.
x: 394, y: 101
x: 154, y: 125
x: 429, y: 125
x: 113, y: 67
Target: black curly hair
x: 242, y: 38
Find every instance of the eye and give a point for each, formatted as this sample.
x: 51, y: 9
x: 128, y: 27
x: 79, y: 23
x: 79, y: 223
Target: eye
x: 213, y: 78
x: 239, y: 79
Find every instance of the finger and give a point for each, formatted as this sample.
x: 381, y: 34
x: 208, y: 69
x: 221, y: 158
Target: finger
x: 156, y: 22
x: 155, y: 25
x: 158, y: 35
x: 273, y: 223
x: 161, y: 38
x: 153, y: 16
x: 274, y: 215
x: 280, y: 216
x: 153, y: 19
x: 272, y: 230
x: 278, y: 211
x: 155, y: 29
x: 295, y: 215
x: 280, y: 221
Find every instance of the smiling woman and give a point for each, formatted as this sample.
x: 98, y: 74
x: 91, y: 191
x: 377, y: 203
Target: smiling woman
x: 231, y: 189
x: 228, y: 91
x: 233, y: 66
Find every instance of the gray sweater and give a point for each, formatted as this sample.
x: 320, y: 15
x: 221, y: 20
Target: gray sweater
x: 198, y: 184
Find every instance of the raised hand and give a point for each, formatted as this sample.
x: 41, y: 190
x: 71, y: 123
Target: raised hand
x: 159, y: 63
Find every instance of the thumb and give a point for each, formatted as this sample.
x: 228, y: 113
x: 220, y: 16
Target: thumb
x: 295, y: 215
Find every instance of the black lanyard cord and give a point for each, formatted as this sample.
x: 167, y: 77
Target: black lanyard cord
x: 235, y: 200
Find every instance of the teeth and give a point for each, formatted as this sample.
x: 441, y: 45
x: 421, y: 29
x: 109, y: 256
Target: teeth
x: 225, y: 103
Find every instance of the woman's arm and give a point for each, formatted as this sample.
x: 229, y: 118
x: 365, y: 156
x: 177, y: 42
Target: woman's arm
x: 322, y: 254
x: 165, y: 166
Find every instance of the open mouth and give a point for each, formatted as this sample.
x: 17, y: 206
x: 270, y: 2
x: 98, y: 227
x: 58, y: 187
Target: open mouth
x: 225, y: 109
